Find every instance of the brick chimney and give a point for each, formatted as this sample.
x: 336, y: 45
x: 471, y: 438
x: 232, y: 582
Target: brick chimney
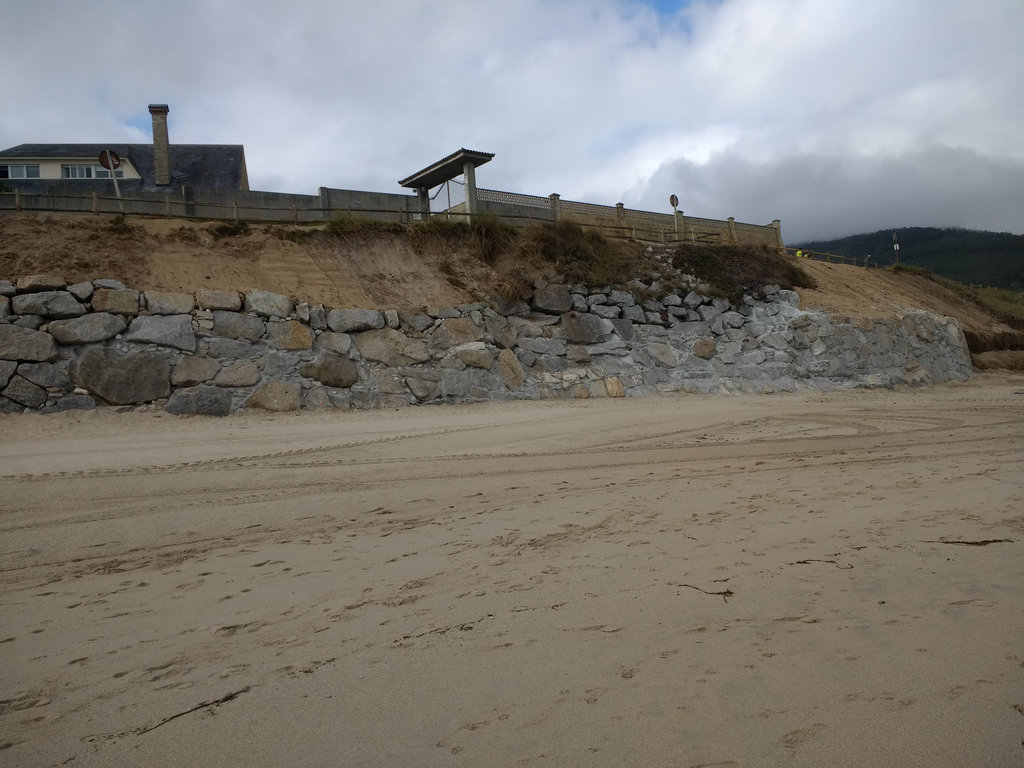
x: 161, y: 145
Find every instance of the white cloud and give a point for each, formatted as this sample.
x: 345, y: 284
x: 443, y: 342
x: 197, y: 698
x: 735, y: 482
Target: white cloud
x: 822, y: 113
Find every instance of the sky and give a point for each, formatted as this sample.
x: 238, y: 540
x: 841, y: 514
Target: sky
x: 834, y: 116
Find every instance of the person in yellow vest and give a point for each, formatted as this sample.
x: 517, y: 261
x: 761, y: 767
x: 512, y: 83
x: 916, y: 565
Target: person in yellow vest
x: 799, y: 254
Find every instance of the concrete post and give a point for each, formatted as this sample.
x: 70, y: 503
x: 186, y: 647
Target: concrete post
x: 424, y: 195
x: 555, y: 197
x: 325, y: 203
x: 680, y: 225
x: 469, y: 170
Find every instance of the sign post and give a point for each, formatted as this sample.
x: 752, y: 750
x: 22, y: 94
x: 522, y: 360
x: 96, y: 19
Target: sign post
x: 112, y: 162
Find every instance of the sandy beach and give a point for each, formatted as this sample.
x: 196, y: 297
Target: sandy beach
x: 803, y: 579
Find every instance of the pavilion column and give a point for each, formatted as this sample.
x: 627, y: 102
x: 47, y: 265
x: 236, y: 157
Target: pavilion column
x: 470, y: 172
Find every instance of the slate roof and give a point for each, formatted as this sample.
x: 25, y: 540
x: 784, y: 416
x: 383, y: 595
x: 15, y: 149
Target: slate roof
x: 209, y: 166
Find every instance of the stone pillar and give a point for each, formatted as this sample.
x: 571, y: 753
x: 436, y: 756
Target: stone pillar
x: 469, y: 170
x: 778, y: 233
x: 732, y: 230
x: 555, y: 197
x: 161, y: 145
x: 680, y: 225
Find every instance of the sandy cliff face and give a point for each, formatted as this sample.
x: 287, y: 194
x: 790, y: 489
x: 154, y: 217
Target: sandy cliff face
x: 360, y: 272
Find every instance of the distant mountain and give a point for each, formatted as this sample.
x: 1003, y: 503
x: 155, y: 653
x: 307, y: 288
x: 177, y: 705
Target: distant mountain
x: 965, y: 255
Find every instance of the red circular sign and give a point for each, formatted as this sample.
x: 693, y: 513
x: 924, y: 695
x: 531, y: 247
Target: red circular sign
x: 112, y: 163
x: 673, y: 201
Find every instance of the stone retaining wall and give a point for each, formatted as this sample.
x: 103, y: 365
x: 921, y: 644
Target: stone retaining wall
x: 101, y: 343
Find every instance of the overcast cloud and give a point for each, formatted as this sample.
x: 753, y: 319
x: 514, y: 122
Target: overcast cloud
x: 835, y: 116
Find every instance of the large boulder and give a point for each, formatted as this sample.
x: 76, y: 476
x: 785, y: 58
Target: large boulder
x: 585, y: 328
x: 276, y: 395
x: 193, y: 370
x: 268, y: 304
x: 207, y: 298
x: 165, y: 330
x: 120, y: 301
x: 454, y: 331
x: 202, y: 401
x: 331, y: 369
x: 290, y: 334
x: 240, y: 374
x: 510, y: 369
x: 25, y: 344
x: 24, y: 392
x: 235, y: 325
x: 120, y: 378
x: 351, y: 320
x: 391, y: 347
x: 87, y: 329
x: 552, y: 299
x: 163, y: 303
x: 36, y: 283
x: 49, y: 304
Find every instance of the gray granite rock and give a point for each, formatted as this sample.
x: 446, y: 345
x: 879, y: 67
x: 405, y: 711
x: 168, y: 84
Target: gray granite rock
x: 276, y: 395
x: 122, y: 378
x: 268, y: 304
x: 289, y: 335
x: 235, y: 325
x: 24, y: 392
x: 353, y: 320
x: 552, y: 299
x: 244, y: 373
x: 163, y: 330
x: 87, y: 329
x: 47, y: 374
x: 163, y: 303
x: 332, y: 369
x: 199, y: 401
x: 53, y: 305
x: 390, y: 347
x: 120, y: 301
x: 25, y: 344
x: 193, y: 370
x: 216, y: 299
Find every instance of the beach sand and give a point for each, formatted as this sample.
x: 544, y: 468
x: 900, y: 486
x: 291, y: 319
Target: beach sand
x: 802, y: 579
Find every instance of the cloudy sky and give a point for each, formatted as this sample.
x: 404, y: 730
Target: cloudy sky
x: 835, y: 116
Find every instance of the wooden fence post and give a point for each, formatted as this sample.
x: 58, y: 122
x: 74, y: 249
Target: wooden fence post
x: 17, y: 200
x: 234, y: 208
x: 95, y: 203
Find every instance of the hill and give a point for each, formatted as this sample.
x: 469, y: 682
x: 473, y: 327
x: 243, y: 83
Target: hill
x: 967, y: 256
x: 389, y: 266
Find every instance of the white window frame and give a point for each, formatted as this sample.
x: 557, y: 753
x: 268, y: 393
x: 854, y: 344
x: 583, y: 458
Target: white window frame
x: 76, y: 171
x: 20, y: 170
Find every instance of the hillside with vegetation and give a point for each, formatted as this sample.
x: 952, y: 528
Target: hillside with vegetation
x: 994, y: 259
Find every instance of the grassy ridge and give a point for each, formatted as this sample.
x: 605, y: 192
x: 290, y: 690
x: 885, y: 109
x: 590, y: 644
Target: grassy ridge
x: 968, y: 256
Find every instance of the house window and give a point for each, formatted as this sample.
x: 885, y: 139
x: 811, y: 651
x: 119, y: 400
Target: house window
x: 77, y: 171
x: 89, y: 172
x: 19, y: 171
